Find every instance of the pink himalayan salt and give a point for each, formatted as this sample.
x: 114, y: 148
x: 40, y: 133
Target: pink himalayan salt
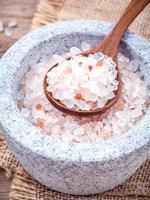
x: 83, y: 83
x: 120, y: 118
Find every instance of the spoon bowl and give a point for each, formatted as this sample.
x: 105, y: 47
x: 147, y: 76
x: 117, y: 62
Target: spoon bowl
x: 62, y: 107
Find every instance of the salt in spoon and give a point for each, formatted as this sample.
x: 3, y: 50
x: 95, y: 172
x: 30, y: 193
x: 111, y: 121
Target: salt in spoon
x: 108, y: 46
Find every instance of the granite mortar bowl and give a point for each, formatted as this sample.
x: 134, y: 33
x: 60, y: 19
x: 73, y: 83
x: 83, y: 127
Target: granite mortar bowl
x: 78, y: 169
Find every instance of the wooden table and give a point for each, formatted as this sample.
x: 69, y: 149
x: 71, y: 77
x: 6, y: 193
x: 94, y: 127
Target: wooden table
x: 22, y: 10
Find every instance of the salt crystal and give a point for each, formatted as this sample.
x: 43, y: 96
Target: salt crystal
x: 111, y: 95
x: 57, y: 58
x: 74, y: 50
x: 98, y: 56
x: 85, y: 46
x: 82, y: 105
x: 69, y: 103
x: 40, y: 68
x: 57, y: 95
x: 100, y: 103
x: 136, y: 112
x: 12, y: 23
x: 7, y: 32
x: 78, y: 131
x: 68, y: 94
x: 91, y: 97
x: 1, y: 26
x: 38, y: 114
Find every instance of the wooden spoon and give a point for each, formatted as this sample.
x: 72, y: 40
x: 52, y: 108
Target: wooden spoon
x: 109, y: 47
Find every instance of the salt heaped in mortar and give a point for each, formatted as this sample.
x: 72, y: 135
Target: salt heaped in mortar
x: 120, y: 118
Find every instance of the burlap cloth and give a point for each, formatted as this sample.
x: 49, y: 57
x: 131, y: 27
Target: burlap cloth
x: 23, y: 186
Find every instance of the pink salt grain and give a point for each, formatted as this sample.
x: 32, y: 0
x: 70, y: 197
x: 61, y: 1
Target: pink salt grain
x: 39, y: 106
x: 90, y: 67
x: 78, y: 96
x: 100, y: 63
x: 39, y: 124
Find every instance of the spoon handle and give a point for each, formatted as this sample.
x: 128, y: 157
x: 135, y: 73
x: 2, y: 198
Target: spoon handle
x: 110, y: 43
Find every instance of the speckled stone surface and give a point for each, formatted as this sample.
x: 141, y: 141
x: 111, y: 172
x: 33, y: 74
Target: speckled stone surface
x: 70, y: 168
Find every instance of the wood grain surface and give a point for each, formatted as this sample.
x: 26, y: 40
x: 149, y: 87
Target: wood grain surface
x: 22, y: 11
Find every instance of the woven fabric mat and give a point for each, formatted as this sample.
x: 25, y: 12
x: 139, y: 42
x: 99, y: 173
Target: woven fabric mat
x: 23, y: 186
x: 106, y: 10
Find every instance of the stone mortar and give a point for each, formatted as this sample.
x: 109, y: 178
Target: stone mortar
x: 78, y: 169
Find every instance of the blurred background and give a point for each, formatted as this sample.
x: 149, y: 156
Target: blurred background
x: 16, y: 16
x: 20, y: 14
